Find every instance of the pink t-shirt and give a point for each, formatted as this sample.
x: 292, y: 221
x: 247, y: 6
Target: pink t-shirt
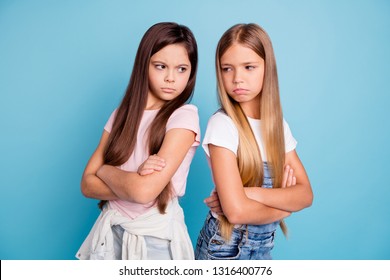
x: 185, y: 117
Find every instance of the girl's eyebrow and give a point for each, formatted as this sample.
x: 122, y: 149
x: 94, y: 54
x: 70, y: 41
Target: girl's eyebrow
x: 162, y: 62
x: 252, y: 62
x: 157, y: 61
x: 242, y: 63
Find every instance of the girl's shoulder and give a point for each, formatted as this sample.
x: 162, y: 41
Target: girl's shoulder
x: 190, y: 107
x: 221, y: 121
x: 187, y: 110
x: 220, y: 116
x: 185, y: 116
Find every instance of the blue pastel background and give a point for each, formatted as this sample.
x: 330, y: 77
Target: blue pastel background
x: 64, y: 66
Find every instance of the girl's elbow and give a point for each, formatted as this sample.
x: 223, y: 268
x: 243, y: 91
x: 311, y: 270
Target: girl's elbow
x: 235, y: 216
x: 310, y: 200
x: 85, y: 192
x: 85, y: 189
x: 307, y: 198
x: 233, y: 219
x: 141, y: 197
x: 307, y: 202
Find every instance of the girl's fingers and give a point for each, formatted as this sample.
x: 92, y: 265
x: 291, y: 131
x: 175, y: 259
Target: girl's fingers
x: 290, y: 177
x: 215, y: 206
x: 217, y: 210
x: 151, y: 164
x: 156, y: 159
x: 211, y: 199
x: 154, y: 166
x: 294, y: 181
x: 213, y: 203
x: 143, y: 172
x: 285, y: 176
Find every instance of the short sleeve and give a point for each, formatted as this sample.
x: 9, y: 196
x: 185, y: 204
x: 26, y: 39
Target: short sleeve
x: 110, y: 122
x: 186, y: 117
x: 221, y: 132
x: 289, y: 140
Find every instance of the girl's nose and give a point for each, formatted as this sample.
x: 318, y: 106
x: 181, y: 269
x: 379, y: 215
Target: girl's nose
x: 169, y: 78
x: 237, y: 78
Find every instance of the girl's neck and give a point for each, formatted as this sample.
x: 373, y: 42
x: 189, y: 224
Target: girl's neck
x: 253, y: 115
x: 251, y: 111
x: 252, y: 107
x: 152, y: 106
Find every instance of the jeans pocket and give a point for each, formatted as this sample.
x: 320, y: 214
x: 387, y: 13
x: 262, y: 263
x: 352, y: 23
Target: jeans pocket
x: 221, y: 249
x: 262, y: 246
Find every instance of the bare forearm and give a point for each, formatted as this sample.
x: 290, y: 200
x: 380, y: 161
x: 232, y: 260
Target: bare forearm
x: 115, y: 179
x: 249, y: 211
x: 94, y: 187
x: 290, y: 199
x: 262, y: 215
x: 126, y: 185
x: 265, y: 215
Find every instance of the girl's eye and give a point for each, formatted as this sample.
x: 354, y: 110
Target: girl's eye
x: 226, y: 69
x: 249, y: 67
x: 182, y: 69
x: 160, y: 66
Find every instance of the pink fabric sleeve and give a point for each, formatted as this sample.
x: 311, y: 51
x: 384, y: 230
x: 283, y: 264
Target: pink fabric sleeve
x: 186, y: 117
x: 110, y: 122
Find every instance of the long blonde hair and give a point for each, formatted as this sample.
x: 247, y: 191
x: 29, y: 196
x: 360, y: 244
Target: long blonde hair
x: 250, y: 163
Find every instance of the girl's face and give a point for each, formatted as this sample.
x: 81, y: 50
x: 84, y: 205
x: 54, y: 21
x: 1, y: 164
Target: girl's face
x: 242, y: 76
x: 169, y: 72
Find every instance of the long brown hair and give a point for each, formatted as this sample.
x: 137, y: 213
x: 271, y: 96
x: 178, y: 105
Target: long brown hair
x: 123, y: 136
x: 250, y: 163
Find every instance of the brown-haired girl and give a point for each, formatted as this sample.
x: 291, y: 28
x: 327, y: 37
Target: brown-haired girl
x: 258, y: 177
x: 141, y: 217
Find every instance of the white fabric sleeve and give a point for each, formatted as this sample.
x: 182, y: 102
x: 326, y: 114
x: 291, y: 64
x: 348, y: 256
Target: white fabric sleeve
x: 289, y: 140
x: 221, y: 132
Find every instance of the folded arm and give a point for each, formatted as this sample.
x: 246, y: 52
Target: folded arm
x: 214, y: 204
x: 290, y: 199
x: 91, y: 185
x: 236, y: 206
x: 132, y: 186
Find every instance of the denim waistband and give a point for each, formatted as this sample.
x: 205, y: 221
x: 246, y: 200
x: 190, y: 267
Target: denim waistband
x: 255, y: 229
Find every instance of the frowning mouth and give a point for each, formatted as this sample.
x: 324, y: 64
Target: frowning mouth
x: 240, y: 91
x: 168, y: 90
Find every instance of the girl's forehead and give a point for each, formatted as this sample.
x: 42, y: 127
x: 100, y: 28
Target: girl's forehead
x: 239, y: 52
x: 172, y: 52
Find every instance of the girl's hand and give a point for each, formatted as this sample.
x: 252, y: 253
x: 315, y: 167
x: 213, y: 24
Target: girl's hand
x: 288, y: 177
x: 213, y: 203
x: 151, y: 164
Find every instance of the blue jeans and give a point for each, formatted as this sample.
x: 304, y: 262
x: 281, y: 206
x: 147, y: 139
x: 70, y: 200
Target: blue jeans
x: 247, y: 242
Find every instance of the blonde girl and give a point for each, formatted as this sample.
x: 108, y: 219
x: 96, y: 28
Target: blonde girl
x: 141, y: 217
x: 258, y: 176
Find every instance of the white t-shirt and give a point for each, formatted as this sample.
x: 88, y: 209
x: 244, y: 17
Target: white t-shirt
x: 184, y: 117
x: 222, y: 132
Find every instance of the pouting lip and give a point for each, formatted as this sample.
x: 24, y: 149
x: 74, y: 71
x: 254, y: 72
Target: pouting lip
x: 168, y: 90
x: 240, y: 90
